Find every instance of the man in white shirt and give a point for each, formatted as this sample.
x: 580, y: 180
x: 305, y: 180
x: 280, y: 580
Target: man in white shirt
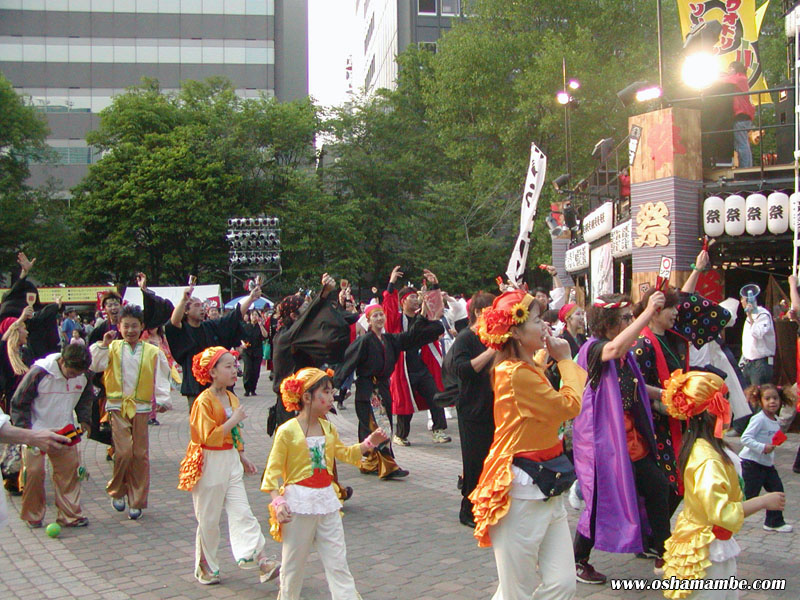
x: 758, y: 338
x: 51, y: 393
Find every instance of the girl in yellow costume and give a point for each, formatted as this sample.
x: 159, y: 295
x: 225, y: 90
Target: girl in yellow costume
x: 701, y: 545
x: 213, y: 468
x: 305, y: 509
x: 512, y: 513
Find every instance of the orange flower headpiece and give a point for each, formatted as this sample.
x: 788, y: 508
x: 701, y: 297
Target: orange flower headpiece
x: 203, y: 362
x: 688, y: 394
x: 293, y: 387
x: 507, y: 310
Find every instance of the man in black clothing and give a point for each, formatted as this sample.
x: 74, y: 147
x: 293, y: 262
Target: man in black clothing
x: 254, y: 335
x: 472, y: 362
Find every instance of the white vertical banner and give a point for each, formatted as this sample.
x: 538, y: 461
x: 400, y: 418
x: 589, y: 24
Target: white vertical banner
x: 530, y: 199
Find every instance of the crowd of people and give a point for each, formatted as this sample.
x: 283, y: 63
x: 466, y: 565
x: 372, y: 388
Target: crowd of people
x: 617, y: 409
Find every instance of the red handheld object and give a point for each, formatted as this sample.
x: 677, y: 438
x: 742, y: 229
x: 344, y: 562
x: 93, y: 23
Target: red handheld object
x: 705, y: 243
x: 543, y: 267
x: 778, y: 438
x: 69, y: 431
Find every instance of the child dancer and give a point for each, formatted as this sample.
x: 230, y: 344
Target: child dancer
x: 134, y: 372
x: 758, y: 455
x: 305, y: 509
x: 212, y: 470
x: 701, y: 545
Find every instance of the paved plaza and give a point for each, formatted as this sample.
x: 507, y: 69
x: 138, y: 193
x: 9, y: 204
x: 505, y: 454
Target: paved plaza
x: 404, y: 540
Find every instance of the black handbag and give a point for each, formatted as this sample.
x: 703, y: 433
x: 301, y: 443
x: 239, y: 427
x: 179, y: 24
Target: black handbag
x: 554, y: 476
x: 272, y: 419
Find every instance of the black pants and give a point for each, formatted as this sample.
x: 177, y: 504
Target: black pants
x: 757, y: 476
x: 654, y: 487
x: 363, y: 404
x: 476, y: 439
x: 251, y: 367
x: 425, y: 386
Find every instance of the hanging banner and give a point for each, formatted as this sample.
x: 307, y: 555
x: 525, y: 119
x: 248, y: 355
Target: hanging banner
x: 741, y: 25
x: 530, y: 199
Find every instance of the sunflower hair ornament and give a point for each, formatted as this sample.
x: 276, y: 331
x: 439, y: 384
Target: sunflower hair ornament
x: 508, y: 310
x: 204, y: 361
x: 293, y: 387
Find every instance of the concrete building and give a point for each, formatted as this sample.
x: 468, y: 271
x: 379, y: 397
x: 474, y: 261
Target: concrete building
x: 387, y: 27
x: 70, y: 57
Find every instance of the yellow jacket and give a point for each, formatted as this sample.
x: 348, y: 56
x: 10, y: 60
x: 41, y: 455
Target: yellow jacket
x: 290, y: 460
x: 712, y: 497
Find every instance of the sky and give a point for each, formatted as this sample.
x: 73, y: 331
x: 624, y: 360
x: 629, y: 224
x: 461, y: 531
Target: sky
x: 329, y: 35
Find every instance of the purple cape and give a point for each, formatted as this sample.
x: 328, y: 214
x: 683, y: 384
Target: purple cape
x: 602, y: 462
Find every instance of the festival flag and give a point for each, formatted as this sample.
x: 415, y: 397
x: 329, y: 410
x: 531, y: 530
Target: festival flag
x: 741, y: 26
x: 537, y: 166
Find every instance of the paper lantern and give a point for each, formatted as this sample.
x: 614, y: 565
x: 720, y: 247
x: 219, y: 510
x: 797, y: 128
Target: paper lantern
x: 777, y: 212
x: 734, y: 215
x: 755, y: 222
x: 714, y: 216
x: 794, y: 202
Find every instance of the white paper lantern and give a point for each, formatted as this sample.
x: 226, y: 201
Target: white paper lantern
x: 734, y: 215
x: 794, y: 202
x: 714, y: 216
x: 755, y: 222
x: 777, y: 212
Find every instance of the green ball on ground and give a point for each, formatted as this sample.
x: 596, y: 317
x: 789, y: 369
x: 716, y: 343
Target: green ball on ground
x: 53, y: 530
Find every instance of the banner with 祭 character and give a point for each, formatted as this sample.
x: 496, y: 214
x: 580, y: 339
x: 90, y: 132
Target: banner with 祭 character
x: 530, y: 199
x: 741, y: 25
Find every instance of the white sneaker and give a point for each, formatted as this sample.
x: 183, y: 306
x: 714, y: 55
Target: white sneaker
x: 402, y: 441
x: 440, y: 437
x: 785, y: 528
x: 573, y: 498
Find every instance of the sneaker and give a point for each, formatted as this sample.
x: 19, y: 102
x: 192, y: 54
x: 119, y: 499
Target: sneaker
x: 658, y: 567
x: 402, y: 441
x: 348, y: 493
x: 341, y: 406
x: 467, y: 521
x: 440, y: 437
x: 585, y: 573
x: 648, y: 553
x: 153, y: 422
x: 81, y: 522
x: 460, y: 482
x: 134, y: 514
x: 247, y: 563
x: 35, y: 524
x: 397, y: 474
x: 785, y: 528
x: 118, y: 504
x: 574, y: 498
x: 270, y: 569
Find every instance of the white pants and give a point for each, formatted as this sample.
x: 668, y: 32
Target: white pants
x: 534, y: 533
x: 221, y: 486
x: 718, y: 570
x: 326, y: 534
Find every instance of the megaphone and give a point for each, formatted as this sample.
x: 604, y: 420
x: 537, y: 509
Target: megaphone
x: 556, y: 230
x: 750, y: 291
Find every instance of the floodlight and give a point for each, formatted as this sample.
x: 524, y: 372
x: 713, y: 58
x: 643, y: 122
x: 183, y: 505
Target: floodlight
x: 563, y: 98
x: 700, y: 70
x: 573, y: 84
x: 561, y: 181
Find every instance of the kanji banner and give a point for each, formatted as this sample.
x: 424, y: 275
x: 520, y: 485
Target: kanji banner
x: 537, y: 166
x: 741, y: 25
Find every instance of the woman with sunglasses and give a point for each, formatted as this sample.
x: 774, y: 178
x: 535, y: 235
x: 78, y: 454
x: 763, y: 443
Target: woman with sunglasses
x: 613, y: 442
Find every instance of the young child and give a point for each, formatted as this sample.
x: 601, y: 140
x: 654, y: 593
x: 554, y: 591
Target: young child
x: 758, y: 455
x: 701, y: 545
x: 133, y: 373
x: 54, y: 388
x: 212, y: 470
x: 305, y: 508
x: 76, y: 338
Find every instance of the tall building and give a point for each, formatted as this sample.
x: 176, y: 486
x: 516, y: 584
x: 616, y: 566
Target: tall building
x: 388, y: 27
x: 70, y: 57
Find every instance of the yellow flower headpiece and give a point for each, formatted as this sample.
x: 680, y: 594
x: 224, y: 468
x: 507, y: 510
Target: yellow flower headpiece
x: 688, y: 394
x: 509, y: 309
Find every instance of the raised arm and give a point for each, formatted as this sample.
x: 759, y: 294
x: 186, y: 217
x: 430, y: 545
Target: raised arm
x: 254, y: 295
x: 700, y: 264
x: 619, y: 346
x: 180, y: 308
x: 794, y: 294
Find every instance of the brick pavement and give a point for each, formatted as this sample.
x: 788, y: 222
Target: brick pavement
x: 403, y: 537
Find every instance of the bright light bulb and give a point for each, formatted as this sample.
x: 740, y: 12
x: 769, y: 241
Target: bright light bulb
x: 700, y: 70
x: 650, y: 93
x: 563, y: 97
x: 573, y: 84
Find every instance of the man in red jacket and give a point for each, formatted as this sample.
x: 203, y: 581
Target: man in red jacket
x: 743, y: 113
x: 418, y: 374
